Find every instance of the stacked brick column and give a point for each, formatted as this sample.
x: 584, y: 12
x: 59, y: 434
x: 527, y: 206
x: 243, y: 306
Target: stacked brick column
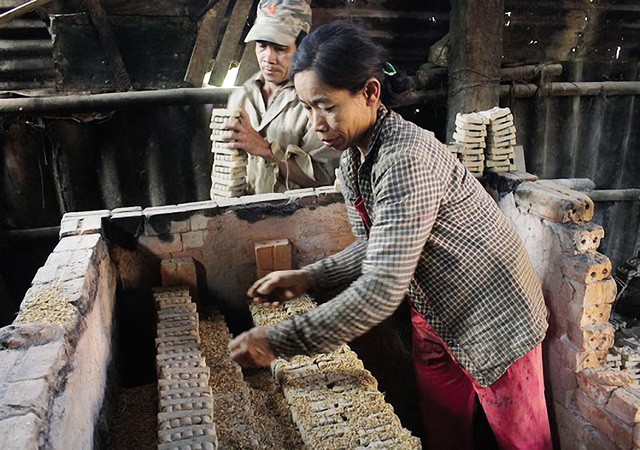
x: 334, y: 401
x: 593, y: 404
x: 185, y: 418
x: 229, y: 172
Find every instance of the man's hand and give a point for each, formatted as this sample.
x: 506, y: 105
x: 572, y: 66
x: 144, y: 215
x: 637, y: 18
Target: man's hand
x: 251, y: 349
x: 244, y: 137
x: 280, y: 286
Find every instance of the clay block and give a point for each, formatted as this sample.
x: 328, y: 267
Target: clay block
x: 592, y: 382
x: 555, y: 203
x: 167, y: 393
x: 594, y: 338
x: 579, y: 238
x: 180, y: 272
x: 616, y: 430
x: 282, y: 254
x: 264, y: 256
x: 587, y: 268
x: 625, y: 404
x: 172, y: 310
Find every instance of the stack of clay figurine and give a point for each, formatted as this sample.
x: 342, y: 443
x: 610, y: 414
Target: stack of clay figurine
x: 501, y: 137
x: 185, y: 402
x: 229, y: 174
x: 334, y: 400
x: 470, y: 134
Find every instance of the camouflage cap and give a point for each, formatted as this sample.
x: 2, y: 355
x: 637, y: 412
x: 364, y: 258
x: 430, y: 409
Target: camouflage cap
x: 280, y: 21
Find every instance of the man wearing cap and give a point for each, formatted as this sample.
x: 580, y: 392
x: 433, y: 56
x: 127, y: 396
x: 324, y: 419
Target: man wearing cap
x: 283, y: 151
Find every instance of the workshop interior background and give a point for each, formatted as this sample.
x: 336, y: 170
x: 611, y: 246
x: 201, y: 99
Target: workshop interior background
x: 569, y: 71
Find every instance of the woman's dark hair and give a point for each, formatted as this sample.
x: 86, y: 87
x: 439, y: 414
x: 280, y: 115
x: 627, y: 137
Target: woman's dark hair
x: 343, y: 56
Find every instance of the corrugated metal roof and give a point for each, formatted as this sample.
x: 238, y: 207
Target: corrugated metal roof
x: 26, y: 61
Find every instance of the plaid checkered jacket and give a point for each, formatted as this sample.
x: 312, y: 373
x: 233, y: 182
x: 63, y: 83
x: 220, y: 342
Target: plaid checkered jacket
x: 436, y: 236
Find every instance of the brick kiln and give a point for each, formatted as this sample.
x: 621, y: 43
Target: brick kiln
x: 55, y: 356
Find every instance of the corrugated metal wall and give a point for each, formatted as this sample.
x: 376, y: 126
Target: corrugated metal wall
x: 160, y: 155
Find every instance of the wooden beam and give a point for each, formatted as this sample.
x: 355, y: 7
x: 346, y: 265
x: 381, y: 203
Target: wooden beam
x: 115, y: 100
x: 230, y: 41
x: 475, y: 49
x: 568, y: 89
x: 18, y: 11
x: 201, y: 56
x: 105, y: 33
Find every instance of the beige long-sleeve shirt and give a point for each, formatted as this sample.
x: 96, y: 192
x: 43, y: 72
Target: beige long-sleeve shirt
x: 285, y: 126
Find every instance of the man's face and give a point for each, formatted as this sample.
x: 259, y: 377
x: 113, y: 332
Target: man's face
x: 275, y: 61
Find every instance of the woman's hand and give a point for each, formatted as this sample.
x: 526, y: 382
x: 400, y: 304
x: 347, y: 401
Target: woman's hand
x: 251, y: 349
x: 244, y: 137
x: 280, y: 286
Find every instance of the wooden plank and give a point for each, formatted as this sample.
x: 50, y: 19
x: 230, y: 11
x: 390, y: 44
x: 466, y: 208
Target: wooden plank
x: 18, y: 11
x: 231, y: 41
x: 248, y: 64
x: 206, y: 41
x: 107, y: 39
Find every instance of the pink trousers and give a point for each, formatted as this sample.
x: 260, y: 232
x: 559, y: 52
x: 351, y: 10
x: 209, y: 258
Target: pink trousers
x: 514, y: 405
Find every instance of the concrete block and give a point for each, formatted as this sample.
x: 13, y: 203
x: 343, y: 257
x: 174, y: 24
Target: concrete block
x: 20, y: 432
x: 616, y: 430
x: 554, y: 203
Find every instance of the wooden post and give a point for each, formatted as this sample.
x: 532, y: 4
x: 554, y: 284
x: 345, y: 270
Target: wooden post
x: 105, y: 33
x: 231, y: 41
x: 206, y: 44
x: 475, y: 51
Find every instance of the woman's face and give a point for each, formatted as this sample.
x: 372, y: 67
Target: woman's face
x: 340, y: 117
x: 274, y: 61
